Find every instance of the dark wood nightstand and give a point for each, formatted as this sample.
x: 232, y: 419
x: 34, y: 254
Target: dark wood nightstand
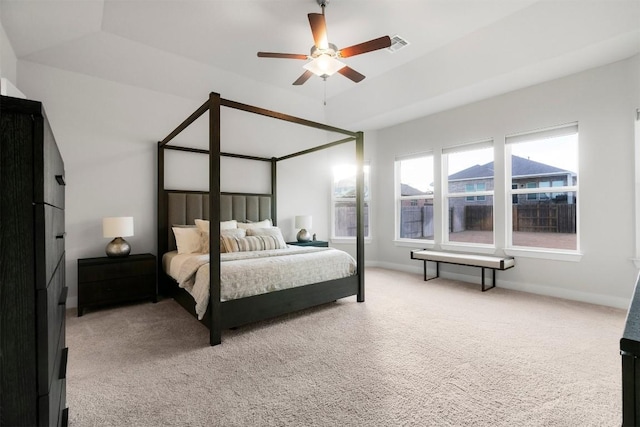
x: 107, y: 280
x: 317, y: 243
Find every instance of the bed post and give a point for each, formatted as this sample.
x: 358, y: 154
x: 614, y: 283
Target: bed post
x: 162, y: 242
x: 274, y: 191
x: 360, y: 214
x: 215, y: 325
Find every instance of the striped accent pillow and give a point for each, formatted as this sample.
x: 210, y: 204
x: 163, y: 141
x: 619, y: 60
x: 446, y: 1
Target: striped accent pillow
x: 273, y: 231
x: 232, y: 232
x: 250, y: 243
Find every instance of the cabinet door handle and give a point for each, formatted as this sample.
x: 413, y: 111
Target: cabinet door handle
x: 63, y: 363
x: 63, y: 296
x: 61, y: 236
x: 60, y: 179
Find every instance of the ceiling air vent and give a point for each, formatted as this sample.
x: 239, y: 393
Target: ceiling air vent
x: 397, y: 43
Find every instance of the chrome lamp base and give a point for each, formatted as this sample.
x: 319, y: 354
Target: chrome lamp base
x: 303, y: 236
x: 118, y: 248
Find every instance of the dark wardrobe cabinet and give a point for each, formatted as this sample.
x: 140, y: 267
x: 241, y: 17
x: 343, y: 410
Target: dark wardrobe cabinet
x: 33, y: 293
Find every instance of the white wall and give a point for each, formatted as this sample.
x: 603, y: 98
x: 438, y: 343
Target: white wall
x: 108, y: 132
x: 603, y: 101
x: 8, y: 61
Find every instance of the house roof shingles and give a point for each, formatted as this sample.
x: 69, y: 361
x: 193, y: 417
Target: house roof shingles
x: 519, y: 167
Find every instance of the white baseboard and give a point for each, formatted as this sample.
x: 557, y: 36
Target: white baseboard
x: 531, y: 288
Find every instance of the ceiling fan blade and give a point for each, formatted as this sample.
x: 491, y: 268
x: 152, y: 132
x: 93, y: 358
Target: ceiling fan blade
x: 281, y: 55
x: 371, y: 45
x: 319, y: 30
x: 352, y: 74
x: 303, y: 78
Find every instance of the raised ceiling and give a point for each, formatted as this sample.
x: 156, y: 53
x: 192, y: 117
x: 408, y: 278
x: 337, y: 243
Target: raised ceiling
x: 460, y: 51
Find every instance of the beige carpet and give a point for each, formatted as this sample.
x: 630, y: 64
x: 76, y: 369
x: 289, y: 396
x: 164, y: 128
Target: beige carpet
x: 440, y: 353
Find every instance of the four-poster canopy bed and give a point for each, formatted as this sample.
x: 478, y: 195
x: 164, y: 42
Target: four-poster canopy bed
x: 183, y: 207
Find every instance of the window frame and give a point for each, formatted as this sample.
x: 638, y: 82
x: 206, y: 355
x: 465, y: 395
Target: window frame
x: 446, y: 196
x: 367, y: 202
x: 399, y: 198
x: 551, y: 190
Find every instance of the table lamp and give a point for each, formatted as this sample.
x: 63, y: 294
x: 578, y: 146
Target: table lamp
x: 117, y: 227
x: 303, y: 222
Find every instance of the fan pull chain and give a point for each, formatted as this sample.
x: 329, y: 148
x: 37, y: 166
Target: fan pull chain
x: 325, y: 91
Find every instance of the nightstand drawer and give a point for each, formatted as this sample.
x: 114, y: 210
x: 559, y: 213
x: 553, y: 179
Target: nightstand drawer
x: 113, y: 291
x: 113, y: 280
x: 116, y: 270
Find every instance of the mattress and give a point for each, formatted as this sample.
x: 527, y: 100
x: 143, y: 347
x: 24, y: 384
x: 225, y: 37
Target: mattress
x: 245, y: 274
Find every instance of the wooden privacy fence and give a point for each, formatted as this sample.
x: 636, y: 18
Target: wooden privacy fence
x: 345, y: 219
x: 545, y: 218
x: 416, y: 222
x: 549, y: 218
x: 478, y: 218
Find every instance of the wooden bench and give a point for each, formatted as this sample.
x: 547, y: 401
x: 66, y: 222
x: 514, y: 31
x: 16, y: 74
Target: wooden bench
x: 484, y: 262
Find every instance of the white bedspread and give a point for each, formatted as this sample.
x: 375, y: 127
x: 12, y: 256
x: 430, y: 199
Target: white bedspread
x: 245, y: 274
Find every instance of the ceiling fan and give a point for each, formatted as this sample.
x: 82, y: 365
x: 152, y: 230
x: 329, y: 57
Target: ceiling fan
x: 324, y: 55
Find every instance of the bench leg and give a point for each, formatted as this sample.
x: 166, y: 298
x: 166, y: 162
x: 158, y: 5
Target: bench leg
x: 437, y: 271
x: 493, y: 284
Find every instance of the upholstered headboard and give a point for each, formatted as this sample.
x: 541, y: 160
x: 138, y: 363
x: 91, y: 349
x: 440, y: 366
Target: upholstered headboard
x: 185, y: 207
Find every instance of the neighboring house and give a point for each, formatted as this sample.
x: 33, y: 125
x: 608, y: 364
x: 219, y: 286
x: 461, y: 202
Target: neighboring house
x: 526, y: 174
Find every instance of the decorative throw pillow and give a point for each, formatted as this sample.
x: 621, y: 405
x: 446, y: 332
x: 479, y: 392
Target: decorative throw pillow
x: 273, y: 232
x: 262, y: 224
x: 232, y: 232
x: 187, y: 239
x: 202, y: 224
x: 204, y: 242
x: 249, y: 243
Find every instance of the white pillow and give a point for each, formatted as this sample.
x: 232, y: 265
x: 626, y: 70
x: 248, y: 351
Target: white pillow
x: 203, y: 224
x: 228, y: 225
x: 262, y: 224
x: 187, y: 239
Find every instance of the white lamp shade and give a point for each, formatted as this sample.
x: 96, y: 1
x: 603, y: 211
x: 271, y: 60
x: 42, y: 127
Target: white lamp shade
x: 120, y: 226
x: 303, y: 221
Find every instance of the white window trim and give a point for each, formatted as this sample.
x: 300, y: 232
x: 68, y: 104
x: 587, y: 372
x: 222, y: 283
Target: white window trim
x: 403, y: 241
x: 530, y: 251
x: 462, y: 246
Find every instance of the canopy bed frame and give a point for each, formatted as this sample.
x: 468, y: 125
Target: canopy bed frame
x: 178, y: 205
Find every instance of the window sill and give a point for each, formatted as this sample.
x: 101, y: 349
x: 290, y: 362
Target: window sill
x: 410, y: 243
x: 556, y: 255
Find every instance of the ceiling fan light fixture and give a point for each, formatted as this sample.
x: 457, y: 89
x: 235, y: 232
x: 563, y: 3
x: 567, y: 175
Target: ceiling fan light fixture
x: 324, y: 66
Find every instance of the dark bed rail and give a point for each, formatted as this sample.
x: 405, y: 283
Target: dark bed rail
x: 630, y: 352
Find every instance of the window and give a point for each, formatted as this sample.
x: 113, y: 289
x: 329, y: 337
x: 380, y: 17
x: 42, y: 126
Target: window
x: 343, y: 194
x: 414, y: 200
x: 469, y: 169
x: 541, y: 161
